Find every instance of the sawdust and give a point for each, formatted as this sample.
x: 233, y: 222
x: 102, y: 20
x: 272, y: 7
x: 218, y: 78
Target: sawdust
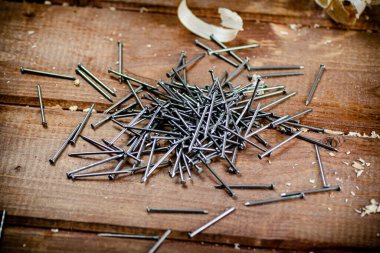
x: 87, y: 109
x: 373, y: 207
x: 73, y: 108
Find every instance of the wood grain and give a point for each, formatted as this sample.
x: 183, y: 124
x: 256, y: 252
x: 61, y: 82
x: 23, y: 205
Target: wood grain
x: 347, y: 98
x: 26, y: 239
x: 303, y: 12
x: 38, y: 194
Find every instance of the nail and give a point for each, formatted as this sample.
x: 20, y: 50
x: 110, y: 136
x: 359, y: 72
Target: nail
x: 322, y: 67
x: 280, y: 74
x: 247, y: 186
x: 149, y: 161
x: 44, y: 123
x: 71, y: 173
x: 222, y: 57
x: 214, y: 39
x: 324, y: 183
x: 96, y: 79
x: 274, y: 124
x: 107, y: 173
x: 265, y: 126
x: 83, y: 124
x: 160, y: 241
x: 43, y: 73
x: 96, y: 153
x: 94, y: 85
x: 237, y: 70
x: 261, y: 156
x: 144, y: 237
x: 132, y: 79
x: 232, y: 49
x: 170, y: 210
x: 64, y: 145
x: 161, y: 160
x: 324, y: 189
x: 275, y: 67
x: 96, y: 144
x: 139, y: 89
x: 212, y: 222
x: 267, y: 201
x: 226, y: 187
x: 278, y: 101
x: 120, y: 58
x: 2, y: 222
x: 183, y: 66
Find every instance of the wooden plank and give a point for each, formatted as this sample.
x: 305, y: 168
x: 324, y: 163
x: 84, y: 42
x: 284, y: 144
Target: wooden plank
x: 347, y: 98
x: 38, y: 194
x: 304, y: 12
x: 26, y: 239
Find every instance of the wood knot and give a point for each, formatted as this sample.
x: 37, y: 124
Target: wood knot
x: 333, y: 141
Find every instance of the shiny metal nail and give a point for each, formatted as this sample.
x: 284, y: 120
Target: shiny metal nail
x: 212, y: 222
x: 43, y: 118
x: 311, y: 191
x: 44, y: 73
x: 261, y: 156
x: 175, y: 210
x: 96, y: 79
x: 322, y: 67
x: 233, y: 48
x: 160, y: 241
x: 94, y: 85
x: 267, y: 201
x: 64, y: 145
x: 83, y: 124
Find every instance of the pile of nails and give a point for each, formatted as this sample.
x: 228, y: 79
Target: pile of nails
x: 187, y: 126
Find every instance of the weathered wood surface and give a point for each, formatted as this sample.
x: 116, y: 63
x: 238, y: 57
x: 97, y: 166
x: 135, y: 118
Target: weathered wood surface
x: 304, y: 12
x: 37, y: 194
x: 21, y: 239
x: 348, y: 93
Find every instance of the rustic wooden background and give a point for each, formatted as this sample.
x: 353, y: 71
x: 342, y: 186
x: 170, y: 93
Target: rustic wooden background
x: 38, y: 197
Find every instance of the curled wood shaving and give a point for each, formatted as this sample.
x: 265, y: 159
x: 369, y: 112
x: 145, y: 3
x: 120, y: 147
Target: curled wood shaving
x: 373, y: 207
x: 331, y: 154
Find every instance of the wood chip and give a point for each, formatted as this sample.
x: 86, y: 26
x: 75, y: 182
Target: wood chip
x: 331, y: 154
x: 77, y: 82
x: 73, y: 108
x: 312, y: 181
x: 87, y: 109
x: 373, y: 207
x: 353, y: 193
x: 357, y: 165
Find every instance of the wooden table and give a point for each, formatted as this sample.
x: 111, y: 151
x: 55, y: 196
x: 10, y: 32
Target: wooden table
x: 40, y: 199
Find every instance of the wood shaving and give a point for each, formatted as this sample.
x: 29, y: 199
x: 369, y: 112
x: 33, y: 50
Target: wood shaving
x: 316, y: 26
x: 73, y: 108
x: 47, y: 3
x: 357, y: 165
x: 329, y: 208
x: 348, y: 152
x: 288, y: 184
x: 359, y: 172
x: 236, y: 246
x: 312, y: 181
x: 361, y: 160
x: 327, y: 131
x: 54, y: 230
x: 346, y: 163
x: 284, y: 33
x: 77, y: 82
x: 373, y: 207
x: 293, y: 27
x: 112, y: 8
x: 87, y: 109
x: 331, y: 154
x: 352, y: 193
x: 327, y: 42
x: 31, y: 32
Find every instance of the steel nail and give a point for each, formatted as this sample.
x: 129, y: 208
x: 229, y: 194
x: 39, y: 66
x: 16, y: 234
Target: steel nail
x: 44, y: 73
x: 267, y: 201
x: 83, y: 124
x: 324, y: 189
x: 64, y: 145
x: 43, y: 118
x: 322, y: 67
x: 96, y: 79
x: 261, y: 156
x: 212, y: 222
x: 94, y: 85
x: 232, y: 49
x: 174, y: 210
x: 160, y: 241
